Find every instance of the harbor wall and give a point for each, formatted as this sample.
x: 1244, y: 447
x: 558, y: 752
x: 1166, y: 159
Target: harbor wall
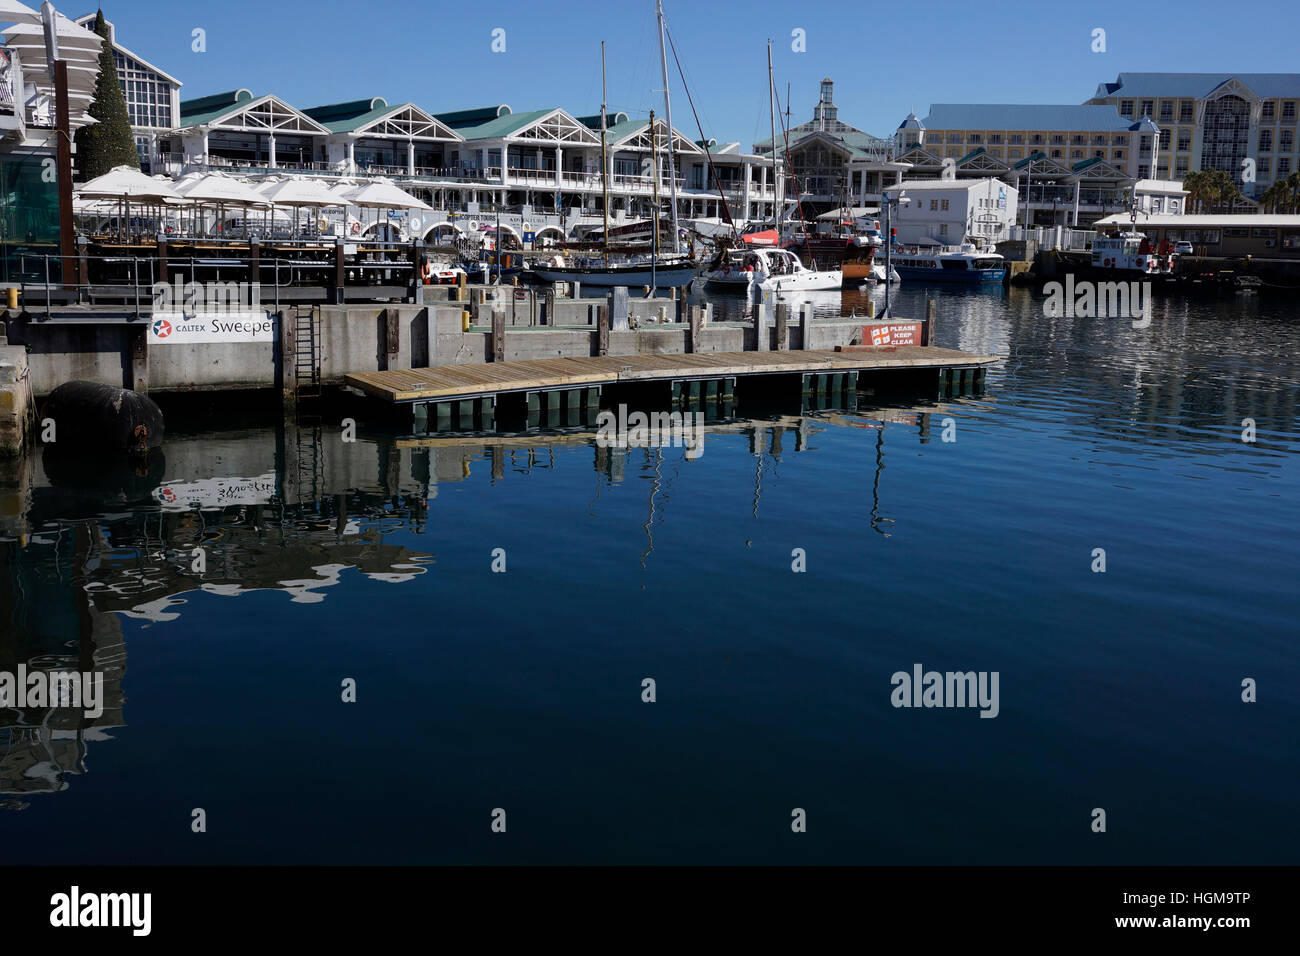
x: 112, y: 349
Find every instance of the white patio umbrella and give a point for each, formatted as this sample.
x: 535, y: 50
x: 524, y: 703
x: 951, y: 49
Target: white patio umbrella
x: 126, y: 183
x: 298, y: 192
x: 382, y: 194
x: 221, y: 190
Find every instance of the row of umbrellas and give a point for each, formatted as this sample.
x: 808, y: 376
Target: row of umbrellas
x: 128, y: 185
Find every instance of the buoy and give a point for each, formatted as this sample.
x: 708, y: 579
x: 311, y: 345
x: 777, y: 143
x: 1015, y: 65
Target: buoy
x: 95, y: 417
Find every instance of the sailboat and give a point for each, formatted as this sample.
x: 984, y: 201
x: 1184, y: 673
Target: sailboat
x: 770, y: 270
x: 653, y: 269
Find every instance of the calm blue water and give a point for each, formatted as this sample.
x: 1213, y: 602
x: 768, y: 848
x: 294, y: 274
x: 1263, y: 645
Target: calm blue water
x: 522, y: 690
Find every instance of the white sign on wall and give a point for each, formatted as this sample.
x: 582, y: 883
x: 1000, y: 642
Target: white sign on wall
x: 215, y: 492
x: 176, y: 328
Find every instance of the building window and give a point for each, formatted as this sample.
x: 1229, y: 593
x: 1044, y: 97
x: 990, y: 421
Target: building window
x: 944, y: 205
x: 1284, y: 166
x: 1078, y: 140
x: 1265, y: 166
x: 1288, y: 110
x: 1099, y: 140
x: 1166, y: 137
x: 1117, y: 154
x: 1186, y: 111
x: 995, y: 137
x: 1144, y: 144
x: 1287, y: 140
x: 934, y: 205
x: 976, y: 138
x: 1119, y: 141
x: 1056, y: 154
x: 1184, y: 140
x: 1017, y: 138
x: 1058, y: 139
x: 1266, y: 141
x: 943, y: 229
x: 1126, y: 108
x: 1036, y: 139
x: 1180, y: 166
x: 1144, y: 172
x: 1099, y: 154
x: 1076, y: 154
x: 1166, y: 110
x: 954, y: 137
x: 1268, y: 110
x: 1148, y: 107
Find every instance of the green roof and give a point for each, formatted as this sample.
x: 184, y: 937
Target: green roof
x: 205, y: 109
x: 473, y: 117
x: 501, y: 125
x: 345, y: 117
x: 1031, y: 158
x: 610, y: 119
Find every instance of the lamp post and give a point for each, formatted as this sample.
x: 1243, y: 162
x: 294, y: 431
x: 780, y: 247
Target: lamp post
x: 901, y: 200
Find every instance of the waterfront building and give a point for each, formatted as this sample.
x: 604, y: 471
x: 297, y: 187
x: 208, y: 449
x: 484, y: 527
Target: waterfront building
x: 1071, y: 164
x: 29, y: 203
x: 833, y: 164
x: 1215, y: 121
x: 153, y: 99
x: 1259, y: 235
x: 948, y: 211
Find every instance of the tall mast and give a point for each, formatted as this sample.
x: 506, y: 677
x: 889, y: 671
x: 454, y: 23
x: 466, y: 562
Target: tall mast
x: 771, y: 108
x: 668, y: 118
x: 604, y: 158
x: 654, y: 185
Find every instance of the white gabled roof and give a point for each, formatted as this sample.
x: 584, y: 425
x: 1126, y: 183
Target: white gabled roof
x: 88, y: 21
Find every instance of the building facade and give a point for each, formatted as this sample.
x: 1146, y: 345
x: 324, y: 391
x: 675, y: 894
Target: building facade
x: 948, y: 212
x: 1215, y: 121
x: 153, y: 100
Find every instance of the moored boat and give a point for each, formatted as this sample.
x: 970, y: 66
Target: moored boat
x: 963, y: 263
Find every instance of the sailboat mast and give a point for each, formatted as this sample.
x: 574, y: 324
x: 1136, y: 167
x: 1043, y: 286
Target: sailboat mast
x: 668, y: 118
x: 654, y: 185
x: 771, y: 108
x: 604, y: 157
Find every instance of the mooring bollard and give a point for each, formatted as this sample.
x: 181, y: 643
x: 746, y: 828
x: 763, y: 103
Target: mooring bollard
x: 498, y: 333
x: 927, y: 332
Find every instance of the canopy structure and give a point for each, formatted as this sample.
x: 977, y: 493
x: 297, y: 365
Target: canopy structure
x: 217, y: 189
x: 78, y: 47
x: 298, y: 192
x: 127, y: 182
x: 382, y: 194
x: 847, y: 213
x: 125, y: 185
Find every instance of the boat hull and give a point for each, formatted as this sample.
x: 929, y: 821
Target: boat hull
x: 963, y: 276
x: 665, y: 277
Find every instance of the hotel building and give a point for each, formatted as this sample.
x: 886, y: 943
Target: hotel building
x: 1215, y: 121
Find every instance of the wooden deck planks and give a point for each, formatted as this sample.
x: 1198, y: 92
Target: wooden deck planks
x: 466, y: 381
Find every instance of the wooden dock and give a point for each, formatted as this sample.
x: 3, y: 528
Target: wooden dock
x: 456, y: 382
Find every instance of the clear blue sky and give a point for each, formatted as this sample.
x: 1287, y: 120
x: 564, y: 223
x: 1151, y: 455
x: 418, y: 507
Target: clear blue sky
x: 885, y: 57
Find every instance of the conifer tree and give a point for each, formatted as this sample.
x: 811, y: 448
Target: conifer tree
x: 110, y: 142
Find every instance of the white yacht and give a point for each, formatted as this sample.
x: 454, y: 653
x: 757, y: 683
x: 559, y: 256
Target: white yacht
x: 769, y: 270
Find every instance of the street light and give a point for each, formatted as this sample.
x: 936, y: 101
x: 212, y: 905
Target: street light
x: 901, y: 200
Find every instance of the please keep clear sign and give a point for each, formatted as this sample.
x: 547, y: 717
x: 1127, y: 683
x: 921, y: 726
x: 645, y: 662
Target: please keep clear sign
x: 892, y: 333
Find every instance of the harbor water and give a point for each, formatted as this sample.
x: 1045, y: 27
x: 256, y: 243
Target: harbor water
x: 500, y: 605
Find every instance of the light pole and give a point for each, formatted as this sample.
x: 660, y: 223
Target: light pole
x: 902, y: 200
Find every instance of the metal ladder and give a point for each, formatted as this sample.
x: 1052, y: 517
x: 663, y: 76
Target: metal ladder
x: 307, y: 353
